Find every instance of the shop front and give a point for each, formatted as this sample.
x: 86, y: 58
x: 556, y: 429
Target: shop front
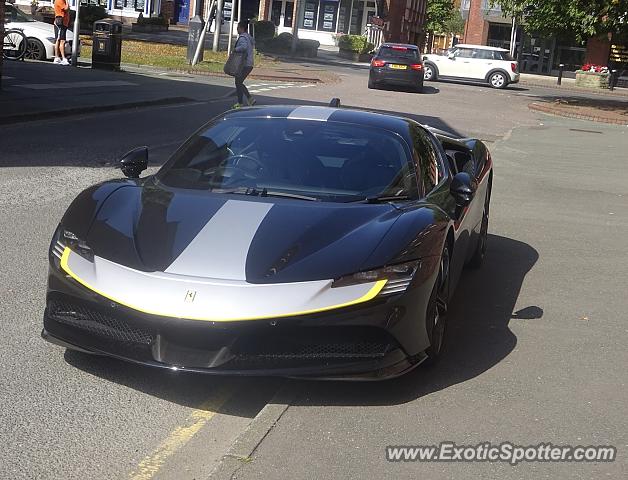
x: 323, y: 20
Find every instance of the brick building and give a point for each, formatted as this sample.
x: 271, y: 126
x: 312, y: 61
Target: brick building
x: 486, y: 25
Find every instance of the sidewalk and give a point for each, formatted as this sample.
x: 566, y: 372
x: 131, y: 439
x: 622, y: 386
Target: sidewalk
x: 40, y: 90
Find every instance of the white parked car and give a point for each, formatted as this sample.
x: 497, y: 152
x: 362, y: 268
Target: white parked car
x: 41, y: 36
x: 476, y: 63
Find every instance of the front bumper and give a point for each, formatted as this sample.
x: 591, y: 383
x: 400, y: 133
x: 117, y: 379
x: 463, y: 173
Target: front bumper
x: 380, y: 339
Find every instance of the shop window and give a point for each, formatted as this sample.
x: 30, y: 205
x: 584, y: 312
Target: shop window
x: 310, y: 15
x: 287, y: 18
x: 328, y: 17
x: 275, y: 13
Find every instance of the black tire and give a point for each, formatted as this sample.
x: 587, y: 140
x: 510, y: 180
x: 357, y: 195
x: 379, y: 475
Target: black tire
x: 418, y: 89
x: 498, y: 80
x: 480, y: 250
x: 14, y: 44
x: 436, y: 315
x: 372, y: 84
x: 35, y: 50
x: 430, y: 72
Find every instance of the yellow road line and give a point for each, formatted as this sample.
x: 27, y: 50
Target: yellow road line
x: 180, y: 436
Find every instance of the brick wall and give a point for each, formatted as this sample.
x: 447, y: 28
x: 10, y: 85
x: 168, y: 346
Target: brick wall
x: 476, y: 28
x: 404, y: 21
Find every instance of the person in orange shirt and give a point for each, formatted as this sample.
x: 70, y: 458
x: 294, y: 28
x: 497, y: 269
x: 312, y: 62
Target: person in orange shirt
x: 62, y: 21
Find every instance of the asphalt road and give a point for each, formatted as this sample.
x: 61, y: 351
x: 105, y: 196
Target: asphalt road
x: 536, y: 351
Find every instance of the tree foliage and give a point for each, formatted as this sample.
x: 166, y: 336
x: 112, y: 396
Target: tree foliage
x: 584, y: 18
x: 440, y: 16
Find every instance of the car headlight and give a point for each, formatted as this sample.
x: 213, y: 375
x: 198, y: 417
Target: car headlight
x: 66, y: 239
x: 398, y: 277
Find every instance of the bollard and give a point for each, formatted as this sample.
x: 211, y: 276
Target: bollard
x: 195, y: 27
x: 613, y: 80
x: 560, y: 73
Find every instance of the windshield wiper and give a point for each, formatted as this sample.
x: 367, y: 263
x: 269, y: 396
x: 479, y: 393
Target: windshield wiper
x: 296, y: 196
x: 383, y: 199
x: 269, y: 193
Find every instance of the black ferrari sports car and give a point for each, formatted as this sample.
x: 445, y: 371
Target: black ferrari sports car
x: 303, y: 241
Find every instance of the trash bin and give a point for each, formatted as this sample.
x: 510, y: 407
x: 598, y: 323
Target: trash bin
x: 107, y: 44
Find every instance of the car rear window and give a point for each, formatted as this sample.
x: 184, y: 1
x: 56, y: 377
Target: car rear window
x: 398, y: 53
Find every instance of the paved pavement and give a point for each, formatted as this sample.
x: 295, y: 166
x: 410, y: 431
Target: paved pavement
x: 537, y: 346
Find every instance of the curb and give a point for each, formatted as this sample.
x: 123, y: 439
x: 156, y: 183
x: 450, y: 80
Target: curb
x: 245, y: 445
x: 549, y: 109
x: 33, y: 116
x: 615, y: 93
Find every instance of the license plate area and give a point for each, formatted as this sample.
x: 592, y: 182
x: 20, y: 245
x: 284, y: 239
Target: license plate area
x: 395, y: 66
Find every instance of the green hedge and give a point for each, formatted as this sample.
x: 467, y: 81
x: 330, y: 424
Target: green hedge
x: 264, y: 30
x: 91, y: 13
x: 282, y: 44
x: 355, y: 43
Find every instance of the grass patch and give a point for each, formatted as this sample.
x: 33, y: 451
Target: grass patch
x: 168, y: 56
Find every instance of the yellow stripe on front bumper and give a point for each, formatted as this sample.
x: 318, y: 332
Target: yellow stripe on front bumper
x: 372, y: 293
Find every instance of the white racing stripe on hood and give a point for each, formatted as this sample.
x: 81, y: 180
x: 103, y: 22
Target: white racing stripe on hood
x: 221, y: 247
x: 321, y: 114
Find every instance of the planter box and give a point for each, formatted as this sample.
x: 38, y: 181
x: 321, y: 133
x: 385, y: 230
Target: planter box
x: 355, y: 56
x: 592, y: 80
x: 148, y: 28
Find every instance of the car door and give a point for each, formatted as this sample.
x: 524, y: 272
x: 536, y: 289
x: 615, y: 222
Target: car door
x: 460, y: 65
x: 481, y: 62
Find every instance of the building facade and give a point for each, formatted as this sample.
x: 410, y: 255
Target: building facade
x: 325, y: 20
x: 487, y: 25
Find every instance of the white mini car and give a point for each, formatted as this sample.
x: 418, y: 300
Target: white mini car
x: 41, y: 36
x: 475, y: 63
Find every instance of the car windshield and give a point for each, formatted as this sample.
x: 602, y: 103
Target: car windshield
x: 14, y: 15
x: 301, y: 159
x: 399, y: 53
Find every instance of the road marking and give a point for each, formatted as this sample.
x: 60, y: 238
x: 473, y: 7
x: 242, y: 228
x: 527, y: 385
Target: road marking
x: 267, y: 87
x: 180, y: 436
x: 103, y: 83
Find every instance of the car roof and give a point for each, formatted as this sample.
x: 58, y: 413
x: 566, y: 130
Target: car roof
x: 480, y: 47
x: 406, y: 45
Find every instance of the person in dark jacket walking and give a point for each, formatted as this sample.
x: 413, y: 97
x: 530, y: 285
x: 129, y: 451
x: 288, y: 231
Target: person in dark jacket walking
x: 245, y: 46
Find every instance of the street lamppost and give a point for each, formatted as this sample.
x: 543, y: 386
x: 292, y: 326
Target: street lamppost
x: 218, y: 21
x: 194, y: 34
x: 75, y: 34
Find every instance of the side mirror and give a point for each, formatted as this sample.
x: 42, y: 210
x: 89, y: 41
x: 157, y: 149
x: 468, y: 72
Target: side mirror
x: 462, y: 188
x: 451, y: 56
x: 134, y: 162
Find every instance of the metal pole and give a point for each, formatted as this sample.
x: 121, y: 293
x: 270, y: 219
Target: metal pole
x: 560, y: 74
x: 201, y: 40
x: 231, y: 27
x: 75, y: 35
x: 239, y: 11
x: 218, y: 21
x: 295, y: 26
x: 613, y: 80
x: 513, y: 37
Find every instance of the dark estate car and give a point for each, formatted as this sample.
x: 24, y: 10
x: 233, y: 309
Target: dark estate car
x: 397, y: 64
x: 300, y: 241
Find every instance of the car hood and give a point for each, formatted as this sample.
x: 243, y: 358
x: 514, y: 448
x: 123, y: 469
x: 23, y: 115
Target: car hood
x: 236, y: 237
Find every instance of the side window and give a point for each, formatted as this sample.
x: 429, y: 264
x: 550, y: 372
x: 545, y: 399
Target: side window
x: 464, y: 53
x: 428, y: 165
x: 483, y: 54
